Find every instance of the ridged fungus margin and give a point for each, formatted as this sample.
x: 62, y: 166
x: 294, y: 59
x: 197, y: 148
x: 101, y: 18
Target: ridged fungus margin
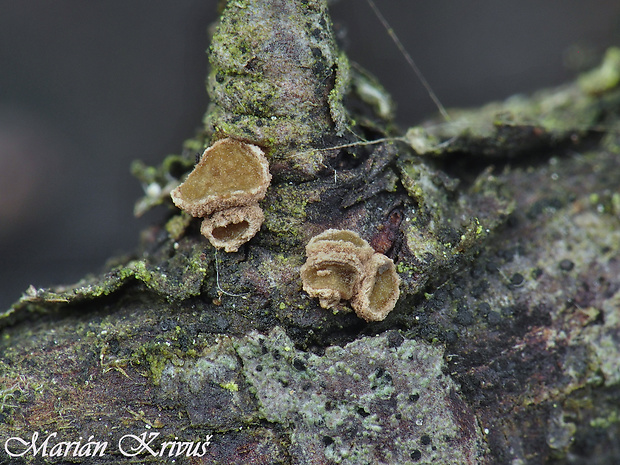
x: 229, y: 229
x: 341, y: 265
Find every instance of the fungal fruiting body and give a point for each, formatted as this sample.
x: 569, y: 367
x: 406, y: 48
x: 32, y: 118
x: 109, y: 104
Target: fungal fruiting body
x: 331, y: 277
x: 231, y: 228
x: 378, y: 290
x: 335, y: 261
x: 230, y: 173
x: 341, y: 265
x: 224, y: 188
x: 342, y: 240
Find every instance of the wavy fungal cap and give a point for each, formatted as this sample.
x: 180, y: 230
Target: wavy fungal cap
x: 230, y: 229
x: 230, y: 173
x: 342, y: 240
x: 342, y: 266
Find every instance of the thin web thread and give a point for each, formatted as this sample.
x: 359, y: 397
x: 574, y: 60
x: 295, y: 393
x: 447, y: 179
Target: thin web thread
x: 217, y: 280
x: 410, y: 61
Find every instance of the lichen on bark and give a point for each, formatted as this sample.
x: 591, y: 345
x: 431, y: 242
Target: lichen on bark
x: 277, y: 79
x: 503, y: 226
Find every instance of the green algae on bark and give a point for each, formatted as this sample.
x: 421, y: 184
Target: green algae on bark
x: 523, y: 124
x: 508, y: 321
x: 277, y: 79
x: 176, y: 271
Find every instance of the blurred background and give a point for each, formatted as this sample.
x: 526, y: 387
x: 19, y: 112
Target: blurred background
x: 87, y: 87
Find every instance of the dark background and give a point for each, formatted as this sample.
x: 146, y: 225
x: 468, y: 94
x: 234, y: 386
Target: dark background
x: 86, y: 87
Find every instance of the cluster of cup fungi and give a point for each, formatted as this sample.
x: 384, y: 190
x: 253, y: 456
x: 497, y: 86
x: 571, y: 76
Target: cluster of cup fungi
x: 343, y: 266
x: 224, y: 189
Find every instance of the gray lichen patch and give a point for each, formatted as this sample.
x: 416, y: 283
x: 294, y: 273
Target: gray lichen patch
x: 539, y: 305
x: 446, y: 224
x: 349, y: 403
x: 604, y: 341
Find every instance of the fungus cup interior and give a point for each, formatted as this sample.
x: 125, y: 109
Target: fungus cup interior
x: 379, y: 289
x: 231, y: 231
x: 340, y: 277
x: 382, y: 289
x: 228, y: 166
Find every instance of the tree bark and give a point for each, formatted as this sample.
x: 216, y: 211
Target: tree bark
x: 503, y: 224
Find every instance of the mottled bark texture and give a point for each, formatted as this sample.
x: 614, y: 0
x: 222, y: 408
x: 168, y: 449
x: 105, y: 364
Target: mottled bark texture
x: 504, y: 225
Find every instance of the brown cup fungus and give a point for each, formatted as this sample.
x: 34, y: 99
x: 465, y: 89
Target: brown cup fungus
x: 343, y: 241
x: 342, y: 266
x: 224, y: 188
x: 331, y: 276
x: 378, y: 291
x: 229, y: 229
x: 230, y: 173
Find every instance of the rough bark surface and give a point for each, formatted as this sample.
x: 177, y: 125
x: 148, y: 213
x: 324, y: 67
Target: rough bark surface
x: 504, y: 226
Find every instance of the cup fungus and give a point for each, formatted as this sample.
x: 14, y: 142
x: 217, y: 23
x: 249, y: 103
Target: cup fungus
x: 342, y: 240
x: 230, y: 173
x: 342, y: 266
x: 378, y: 290
x: 224, y: 188
x: 331, y: 276
x: 231, y: 228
